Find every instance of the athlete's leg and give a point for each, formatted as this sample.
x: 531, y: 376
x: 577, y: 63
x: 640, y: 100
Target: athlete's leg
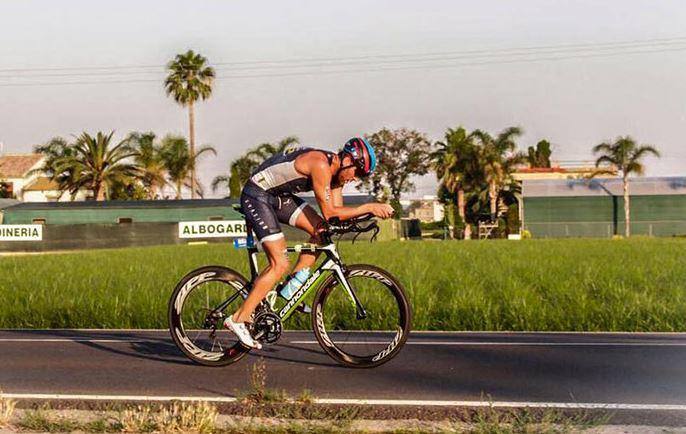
x: 278, y: 266
x: 261, y: 216
x: 294, y: 211
x: 310, y: 222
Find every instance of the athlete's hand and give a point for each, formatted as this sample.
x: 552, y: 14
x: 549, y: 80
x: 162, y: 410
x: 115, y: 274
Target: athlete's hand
x: 381, y: 210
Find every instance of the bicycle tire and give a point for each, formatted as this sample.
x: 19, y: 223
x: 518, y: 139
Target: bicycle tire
x: 191, y: 281
x: 329, y: 343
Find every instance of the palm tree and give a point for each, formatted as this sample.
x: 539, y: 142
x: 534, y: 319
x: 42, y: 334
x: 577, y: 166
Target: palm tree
x: 239, y: 173
x: 149, y: 161
x: 242, y: 167
x: 55, y: 150
x: 499, y: 158
x: 94, y: 164
x: 179, y: 164
x: 456, y: 164
x: 189, y: 79
x: 625, y: 154
x: 266, y: 150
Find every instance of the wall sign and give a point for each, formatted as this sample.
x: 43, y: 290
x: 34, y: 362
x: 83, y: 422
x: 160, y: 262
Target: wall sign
x: 213, y: 229
x: 21, y: 232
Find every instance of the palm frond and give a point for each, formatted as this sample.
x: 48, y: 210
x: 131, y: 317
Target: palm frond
x: 218, y: 180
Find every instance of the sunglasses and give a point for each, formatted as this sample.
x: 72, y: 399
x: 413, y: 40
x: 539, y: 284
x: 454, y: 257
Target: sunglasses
x: 359, y: 170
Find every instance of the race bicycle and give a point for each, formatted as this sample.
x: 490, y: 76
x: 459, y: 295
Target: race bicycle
x: 360, y: 314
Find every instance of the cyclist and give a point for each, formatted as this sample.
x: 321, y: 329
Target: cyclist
x: 269, y: 198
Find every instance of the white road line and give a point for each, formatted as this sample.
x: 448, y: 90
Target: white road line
x: 344, y: 401
x: 526, y: 344
x: 111, y: 341
x: 116, y: 397
x: 505, y: 404
x: 430, y: 343
x: 419, y: 332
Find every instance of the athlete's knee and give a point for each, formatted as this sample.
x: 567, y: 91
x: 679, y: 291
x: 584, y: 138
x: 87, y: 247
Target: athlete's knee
x: 315, y: 239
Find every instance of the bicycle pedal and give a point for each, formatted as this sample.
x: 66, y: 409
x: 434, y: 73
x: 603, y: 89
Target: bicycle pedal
x: 304, y: 308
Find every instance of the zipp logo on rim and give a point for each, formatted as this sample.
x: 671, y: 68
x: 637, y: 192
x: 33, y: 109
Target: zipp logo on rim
x: 391, y: 346
x: 322, y: 329
x: 200, y: 278
x: 372, y: 274
x: 195, y: 350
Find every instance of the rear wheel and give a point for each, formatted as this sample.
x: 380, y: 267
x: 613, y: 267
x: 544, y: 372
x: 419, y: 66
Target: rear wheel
x: 367, y: 342
x: 195, y: 323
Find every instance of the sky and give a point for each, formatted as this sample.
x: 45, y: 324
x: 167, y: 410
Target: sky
x: 573, y: 72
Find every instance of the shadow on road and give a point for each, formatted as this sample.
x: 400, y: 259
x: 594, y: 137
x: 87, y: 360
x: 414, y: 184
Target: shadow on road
x: 160, y: 347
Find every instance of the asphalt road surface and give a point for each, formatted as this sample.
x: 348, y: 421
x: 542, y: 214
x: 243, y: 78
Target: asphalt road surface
x: 633, y: 369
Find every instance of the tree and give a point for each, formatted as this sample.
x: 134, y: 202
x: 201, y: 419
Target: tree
x: 134, y: 190
x: 540, y: 155
x: 94, y: 164
x: 266, y: 150
x: 498, y: 157
x: 456, y: 162
x: 400, y: 154
x: 149, y: 161
x: 239, y: 173
x: 626, y: 155
x: 178, y: 162
x: 55, y: 150
x: 190, y: 79
x: 5, y: 192
x: 242, y: 167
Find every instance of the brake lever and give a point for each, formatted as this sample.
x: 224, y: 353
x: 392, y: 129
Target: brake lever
x: 355, y: 237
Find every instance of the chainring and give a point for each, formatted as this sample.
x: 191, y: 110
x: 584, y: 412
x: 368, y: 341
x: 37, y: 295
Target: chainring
x: 267, y: 327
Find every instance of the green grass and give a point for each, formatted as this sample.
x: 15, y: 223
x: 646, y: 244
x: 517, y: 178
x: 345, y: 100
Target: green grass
x: 596, y: 285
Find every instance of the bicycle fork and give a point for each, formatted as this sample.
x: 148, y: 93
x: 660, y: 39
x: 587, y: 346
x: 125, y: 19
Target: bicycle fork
x: 338, y: 269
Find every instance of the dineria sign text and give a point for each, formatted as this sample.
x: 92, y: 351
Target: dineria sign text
x: 213, y: 229
x: 21, y: 232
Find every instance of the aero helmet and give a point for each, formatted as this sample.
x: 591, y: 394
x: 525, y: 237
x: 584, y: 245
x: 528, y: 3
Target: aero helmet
x: 362, y: 153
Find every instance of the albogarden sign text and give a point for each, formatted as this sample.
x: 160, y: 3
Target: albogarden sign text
x: 21, y: 232
x: 213, y: 229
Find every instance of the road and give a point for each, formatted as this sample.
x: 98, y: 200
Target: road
x: 629, y: 369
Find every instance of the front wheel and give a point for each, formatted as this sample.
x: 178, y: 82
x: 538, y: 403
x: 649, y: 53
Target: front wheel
x: 198, y: 306
x: 366, y: 342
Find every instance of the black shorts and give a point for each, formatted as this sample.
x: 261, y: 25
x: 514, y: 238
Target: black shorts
x: 263, y: 211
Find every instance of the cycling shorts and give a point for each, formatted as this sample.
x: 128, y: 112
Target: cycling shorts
x: 263, y: 211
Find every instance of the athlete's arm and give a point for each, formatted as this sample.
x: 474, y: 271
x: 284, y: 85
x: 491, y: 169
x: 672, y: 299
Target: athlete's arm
x: 331, y: 203
x: 337, y: 196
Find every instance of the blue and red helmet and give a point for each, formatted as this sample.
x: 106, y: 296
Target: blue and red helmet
x: 362, y: 153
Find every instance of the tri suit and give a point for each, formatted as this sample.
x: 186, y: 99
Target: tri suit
x: 269, y: 196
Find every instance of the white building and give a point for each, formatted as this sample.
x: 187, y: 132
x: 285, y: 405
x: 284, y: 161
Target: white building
x: 16, y: 177
x: 427, y: 209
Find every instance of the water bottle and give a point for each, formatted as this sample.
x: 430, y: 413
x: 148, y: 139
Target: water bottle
x: 242, y: 243
x: 293, y: 285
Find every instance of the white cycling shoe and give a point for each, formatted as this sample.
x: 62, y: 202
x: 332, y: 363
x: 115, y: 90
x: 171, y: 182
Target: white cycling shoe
x: 242, y: 332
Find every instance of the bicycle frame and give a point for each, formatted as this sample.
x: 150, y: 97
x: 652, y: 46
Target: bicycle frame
x: 332, y: 263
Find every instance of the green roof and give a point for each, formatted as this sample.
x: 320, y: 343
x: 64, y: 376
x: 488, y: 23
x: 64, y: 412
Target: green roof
x: 142, y: 211
x: 126, y: 204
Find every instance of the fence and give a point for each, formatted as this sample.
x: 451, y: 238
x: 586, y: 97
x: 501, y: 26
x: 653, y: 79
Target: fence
x: 664, y: 228
x: 101, y: 236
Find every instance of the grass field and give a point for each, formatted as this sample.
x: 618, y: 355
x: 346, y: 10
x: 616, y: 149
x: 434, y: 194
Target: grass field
x: 594, y: 285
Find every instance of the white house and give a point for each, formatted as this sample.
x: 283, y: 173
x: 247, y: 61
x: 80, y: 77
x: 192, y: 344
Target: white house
x: 427, y: 209
x: 16, y: 177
